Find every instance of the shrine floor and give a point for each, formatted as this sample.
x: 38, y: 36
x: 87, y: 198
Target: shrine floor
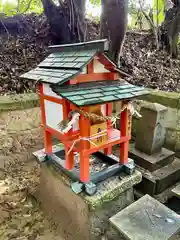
x: 20, y: 215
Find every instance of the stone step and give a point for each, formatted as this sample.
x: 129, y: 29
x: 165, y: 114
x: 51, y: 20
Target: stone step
x: 147, y: 219
x: 151, y: 162
x: 176, y: 191
x: 158, y: 181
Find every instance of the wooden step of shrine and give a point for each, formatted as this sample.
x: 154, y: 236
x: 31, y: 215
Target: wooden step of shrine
x: 156, y: 182
x: 151, y: 162
x: 147, y: 219
x: 176, y: 191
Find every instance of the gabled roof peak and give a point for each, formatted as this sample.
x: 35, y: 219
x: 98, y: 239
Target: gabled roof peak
x: 98, y: 45
x: 67, y: 61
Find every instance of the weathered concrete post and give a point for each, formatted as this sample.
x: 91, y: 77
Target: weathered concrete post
x: 151, y: 129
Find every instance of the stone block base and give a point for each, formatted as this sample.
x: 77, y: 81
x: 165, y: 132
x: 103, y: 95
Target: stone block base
x: 151, y: 162
x: 158, y: 181
x: 161, y: 197
x: 84, y: 217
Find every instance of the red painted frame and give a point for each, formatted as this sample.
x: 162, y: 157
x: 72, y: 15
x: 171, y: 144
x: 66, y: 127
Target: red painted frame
x: 84, y: 125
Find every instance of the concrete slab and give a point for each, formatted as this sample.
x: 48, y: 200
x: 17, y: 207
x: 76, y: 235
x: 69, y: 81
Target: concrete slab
x: 151, y: 162
x: 158, y: 181
x: 147, y: 219
x: 176, y: 191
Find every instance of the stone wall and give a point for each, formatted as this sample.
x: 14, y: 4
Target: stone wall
x: 172, y: 102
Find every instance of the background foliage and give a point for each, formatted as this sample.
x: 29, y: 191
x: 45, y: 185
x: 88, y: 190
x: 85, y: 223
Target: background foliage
x: 10, y: 8
x: 136, y: 18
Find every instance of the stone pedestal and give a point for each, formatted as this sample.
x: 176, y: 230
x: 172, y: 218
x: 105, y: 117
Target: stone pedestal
x: 150, y: 130
x: 158, y: 165
x: 83, y: 217
x: 151, y: 162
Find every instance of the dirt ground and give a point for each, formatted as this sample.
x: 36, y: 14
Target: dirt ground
x: 20, y: 216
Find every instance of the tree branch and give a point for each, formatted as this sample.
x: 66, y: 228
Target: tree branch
x: 5, y: 29
x: 18, y: 6
x: 153, y: 27
x: 28, y: 6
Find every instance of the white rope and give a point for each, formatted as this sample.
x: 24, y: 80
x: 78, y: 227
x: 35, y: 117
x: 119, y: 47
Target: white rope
x: 132, y: 110
x: 76, y: 115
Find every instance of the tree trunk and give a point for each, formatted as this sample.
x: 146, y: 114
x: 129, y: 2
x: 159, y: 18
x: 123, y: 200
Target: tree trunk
x: 176, y: 3
x: 80, y: 9
x: 170, y: 30
x: 114, y: 24
x: 66, y: 21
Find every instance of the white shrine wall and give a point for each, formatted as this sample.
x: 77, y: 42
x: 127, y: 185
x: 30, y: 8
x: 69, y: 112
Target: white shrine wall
x: 99, y: 67
x: 49, y: 92
x: 53, y: 111
x: 54, y: 114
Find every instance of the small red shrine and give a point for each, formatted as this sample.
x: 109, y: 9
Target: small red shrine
x: 78, y: 84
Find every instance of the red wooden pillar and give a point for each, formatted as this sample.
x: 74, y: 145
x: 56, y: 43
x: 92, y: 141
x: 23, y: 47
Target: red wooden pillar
x: 70, y: 155
x: 124, y: 132
x: 108, y: 151
x: 47, y: 135
x: 84, y: 126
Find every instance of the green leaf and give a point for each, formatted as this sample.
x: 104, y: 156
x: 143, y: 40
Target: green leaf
x: 158, y: 11
x: 95, y: 2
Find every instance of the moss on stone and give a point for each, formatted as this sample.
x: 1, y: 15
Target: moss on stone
x: 111, y: 189
x: 168, y: 99
x: 17, y: 102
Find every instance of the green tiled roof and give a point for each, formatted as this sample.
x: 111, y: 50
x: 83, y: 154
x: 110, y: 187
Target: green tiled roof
x: 68, y: 60
x: 54, y: 76
x: 65, y: 62
x: 58, y: 68
x: 91, y: 93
